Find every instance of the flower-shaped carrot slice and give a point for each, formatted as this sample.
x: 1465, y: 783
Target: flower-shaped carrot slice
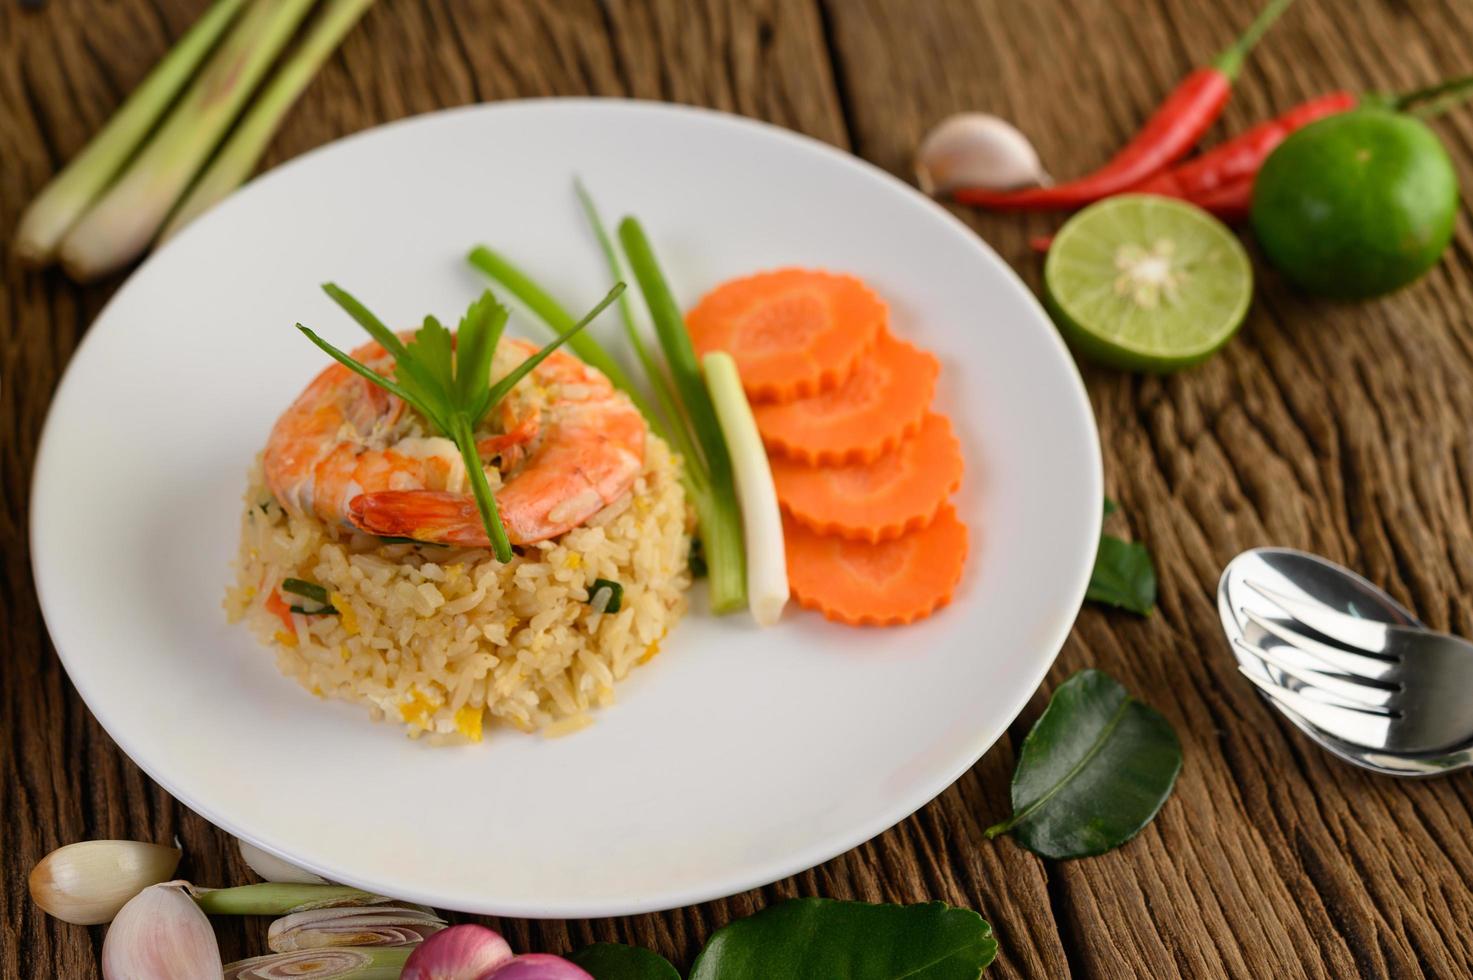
x: 901, y: 491
x: 793, y: 332
x: 881, y: 403
x: 885, y: 584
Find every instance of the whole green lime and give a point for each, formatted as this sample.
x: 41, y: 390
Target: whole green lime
x: 1356, y: 205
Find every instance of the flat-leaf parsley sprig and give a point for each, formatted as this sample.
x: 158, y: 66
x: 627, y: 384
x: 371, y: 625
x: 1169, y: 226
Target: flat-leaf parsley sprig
x: 447, y: 378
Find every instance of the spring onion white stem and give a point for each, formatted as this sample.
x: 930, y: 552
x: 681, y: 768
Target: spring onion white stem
x: 57, y: 208
x: 767, y: 564
x: 241, y: 152
x: 121, y: 225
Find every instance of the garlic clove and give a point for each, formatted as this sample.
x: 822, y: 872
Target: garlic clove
x: 974, y: 149
x: 537, y: 966
x: 162, y: 935
x: 344, y: 963
x: 86, y: 883
x: 464, y: 952
x: 269, y: 867
x: 378, y: 926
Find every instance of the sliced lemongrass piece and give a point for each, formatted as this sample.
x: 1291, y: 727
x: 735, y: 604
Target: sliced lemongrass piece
x: 243, y: 150
x: 86, y: 883
x: 762, y: 523
x: 57, y: 208
x: 269, y: 867
x: 162, y: 935
x: 280, y: 898
x: 380, y: 925
x: 126, y: 218
x: 340, y: 963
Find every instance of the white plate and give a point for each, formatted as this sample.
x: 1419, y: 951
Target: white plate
x: 740, y: 755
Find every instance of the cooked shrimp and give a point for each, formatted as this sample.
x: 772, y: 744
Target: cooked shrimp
x: 341, y: 452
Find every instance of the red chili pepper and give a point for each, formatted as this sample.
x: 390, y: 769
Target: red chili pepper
x: 1171, y: 132
x: 1229, y: 202
x: 1241, y: 156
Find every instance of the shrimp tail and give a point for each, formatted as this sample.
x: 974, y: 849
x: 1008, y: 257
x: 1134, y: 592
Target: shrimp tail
x: 424, y: 515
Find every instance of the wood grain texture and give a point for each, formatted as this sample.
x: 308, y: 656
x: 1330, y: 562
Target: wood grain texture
x: 1342, y: 429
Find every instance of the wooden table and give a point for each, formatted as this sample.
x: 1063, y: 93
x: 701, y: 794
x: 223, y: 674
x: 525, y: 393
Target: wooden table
x: 1340, y: 429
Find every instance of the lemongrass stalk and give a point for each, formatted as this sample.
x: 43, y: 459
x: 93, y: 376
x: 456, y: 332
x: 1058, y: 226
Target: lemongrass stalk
x: 720, y: 519
x: 57, y: 208
x: 338, y: 963
x: 762, y: 523
x: 121, y: 225
x: 279, y: 898
x: 242, y: 151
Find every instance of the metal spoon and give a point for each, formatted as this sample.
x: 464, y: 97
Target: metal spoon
x: 1297, y: 575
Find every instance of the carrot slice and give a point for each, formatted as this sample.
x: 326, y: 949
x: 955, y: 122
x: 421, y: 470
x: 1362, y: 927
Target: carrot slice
x: 881, y: 403
x: 793, y: 332
x: 885, y: 584
x: 901, y: 491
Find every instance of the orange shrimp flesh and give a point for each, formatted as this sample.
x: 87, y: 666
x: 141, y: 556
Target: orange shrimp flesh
x: 347, y: 452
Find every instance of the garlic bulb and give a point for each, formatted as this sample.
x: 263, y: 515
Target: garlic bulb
x: 269, y: 867
x: 162, y: 935
x: 973, y: 149
x: 382, y: 925
x: 86, y: 883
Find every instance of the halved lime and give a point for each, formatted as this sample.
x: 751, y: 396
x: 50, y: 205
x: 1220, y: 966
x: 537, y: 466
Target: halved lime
x: 1147, y: 283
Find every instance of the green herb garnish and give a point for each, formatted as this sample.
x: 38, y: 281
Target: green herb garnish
x: 447, y: 379
x: 305, y: 589
x: 612, y: 589
x: 686, y: 418
x: 309, y: 590
x: 1093, y: 771
x: 1123, y: 576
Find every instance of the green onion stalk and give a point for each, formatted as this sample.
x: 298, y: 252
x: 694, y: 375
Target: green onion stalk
x: 558, y: 319
x: 247, y: 143
x: 717, y: 510
x: 57, y: 208
x: 687, y: 419
x: 127, y: 218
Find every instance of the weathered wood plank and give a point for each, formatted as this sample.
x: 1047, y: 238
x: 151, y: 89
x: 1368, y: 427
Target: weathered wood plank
x: 63, y: 779
x: 1341, y: 429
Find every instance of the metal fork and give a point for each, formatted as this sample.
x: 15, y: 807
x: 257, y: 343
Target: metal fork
x: 1373, y: 684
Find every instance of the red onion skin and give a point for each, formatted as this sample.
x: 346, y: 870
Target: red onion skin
x: 463, y: 952
x: 536, y: 966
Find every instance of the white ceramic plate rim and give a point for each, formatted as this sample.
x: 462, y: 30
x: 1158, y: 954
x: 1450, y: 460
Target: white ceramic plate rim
x: 1070, y: 585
